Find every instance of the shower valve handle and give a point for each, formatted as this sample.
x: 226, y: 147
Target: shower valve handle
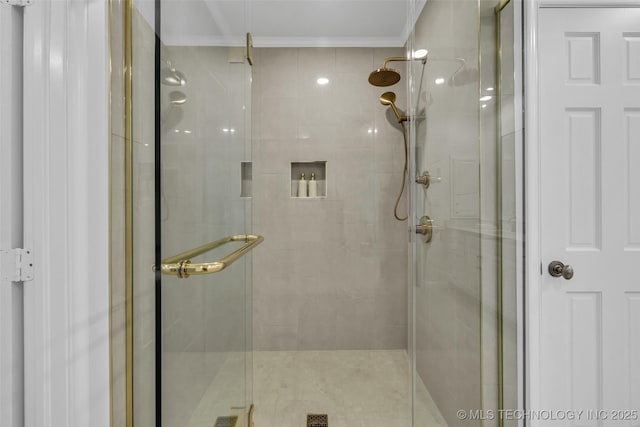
x: 424, y: 179
x: 425, y: 228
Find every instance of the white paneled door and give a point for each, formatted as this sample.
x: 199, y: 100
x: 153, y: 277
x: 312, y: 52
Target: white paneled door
x: 590, y: 215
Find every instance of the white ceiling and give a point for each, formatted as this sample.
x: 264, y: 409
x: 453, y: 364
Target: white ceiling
x: 280, y: 23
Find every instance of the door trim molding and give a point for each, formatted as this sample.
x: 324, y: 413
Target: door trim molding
x: 11, y: 342
x: 66, y: 213
x: 532, y: 210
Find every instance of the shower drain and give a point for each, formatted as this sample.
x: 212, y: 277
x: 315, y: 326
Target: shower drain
x: 317, y: 420
x: 226, y: 421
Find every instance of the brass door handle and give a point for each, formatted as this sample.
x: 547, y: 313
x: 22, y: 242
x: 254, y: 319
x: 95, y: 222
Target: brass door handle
x: 180, y: 265
x: 558, y: 269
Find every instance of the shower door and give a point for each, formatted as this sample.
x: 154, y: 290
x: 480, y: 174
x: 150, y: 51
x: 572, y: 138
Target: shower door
x: 204, y: 208
x: 192, y: 171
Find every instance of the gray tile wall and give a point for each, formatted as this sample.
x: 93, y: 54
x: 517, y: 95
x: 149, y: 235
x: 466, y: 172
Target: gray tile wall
x: 332, y: 272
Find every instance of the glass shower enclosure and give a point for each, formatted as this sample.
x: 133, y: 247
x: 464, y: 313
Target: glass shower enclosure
x: 250, y: 301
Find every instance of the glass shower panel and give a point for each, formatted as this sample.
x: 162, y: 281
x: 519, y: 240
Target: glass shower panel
x: 465, y: 295
x: 195, y: 177
x: 141, y: 399
x: 204, y: 318
x: 448, y: 294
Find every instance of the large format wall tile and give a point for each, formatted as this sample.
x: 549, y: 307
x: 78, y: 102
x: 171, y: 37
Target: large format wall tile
x: 332, y: 272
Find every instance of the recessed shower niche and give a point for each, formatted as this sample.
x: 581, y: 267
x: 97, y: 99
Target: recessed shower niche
x: 302, y: 176
x: 246, y: 178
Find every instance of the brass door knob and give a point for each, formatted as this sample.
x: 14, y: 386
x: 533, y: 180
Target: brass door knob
x: 558, y: 269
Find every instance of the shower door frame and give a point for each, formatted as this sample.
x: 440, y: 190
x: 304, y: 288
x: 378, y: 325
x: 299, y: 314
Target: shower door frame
x: 519, y: 201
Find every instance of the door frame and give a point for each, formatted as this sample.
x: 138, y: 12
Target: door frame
x: 11, y: 324
x: 533, y: 173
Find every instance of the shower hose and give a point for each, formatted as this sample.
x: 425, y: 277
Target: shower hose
x: 404, y: 176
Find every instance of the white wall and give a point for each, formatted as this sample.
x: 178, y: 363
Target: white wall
x: 66, y: 213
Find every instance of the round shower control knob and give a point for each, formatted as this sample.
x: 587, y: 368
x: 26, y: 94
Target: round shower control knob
x: 424, y: 179
x: 425, y: 227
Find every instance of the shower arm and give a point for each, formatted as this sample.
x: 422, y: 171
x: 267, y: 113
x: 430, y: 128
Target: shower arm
x: 403, y: 59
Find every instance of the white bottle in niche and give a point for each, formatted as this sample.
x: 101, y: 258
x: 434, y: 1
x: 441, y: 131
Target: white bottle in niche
x: 313, y: 186
x: 302, y: 186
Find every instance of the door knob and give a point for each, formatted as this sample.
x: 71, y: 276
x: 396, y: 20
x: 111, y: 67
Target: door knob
x: 425, y: 228
x: 557, y: 269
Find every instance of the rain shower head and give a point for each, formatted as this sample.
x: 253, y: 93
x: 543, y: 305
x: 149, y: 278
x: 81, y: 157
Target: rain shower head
x: 389, y: 98
x: 384, y: 77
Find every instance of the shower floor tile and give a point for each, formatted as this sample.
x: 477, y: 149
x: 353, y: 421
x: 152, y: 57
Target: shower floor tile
x: 363, y: 388
x: 359, y: 388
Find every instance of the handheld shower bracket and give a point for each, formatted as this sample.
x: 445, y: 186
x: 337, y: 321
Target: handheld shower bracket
x: 389, y: 98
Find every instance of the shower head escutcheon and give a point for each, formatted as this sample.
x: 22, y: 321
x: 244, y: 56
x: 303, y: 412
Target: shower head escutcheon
x: 385, y: 76
x: 389, y: 98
